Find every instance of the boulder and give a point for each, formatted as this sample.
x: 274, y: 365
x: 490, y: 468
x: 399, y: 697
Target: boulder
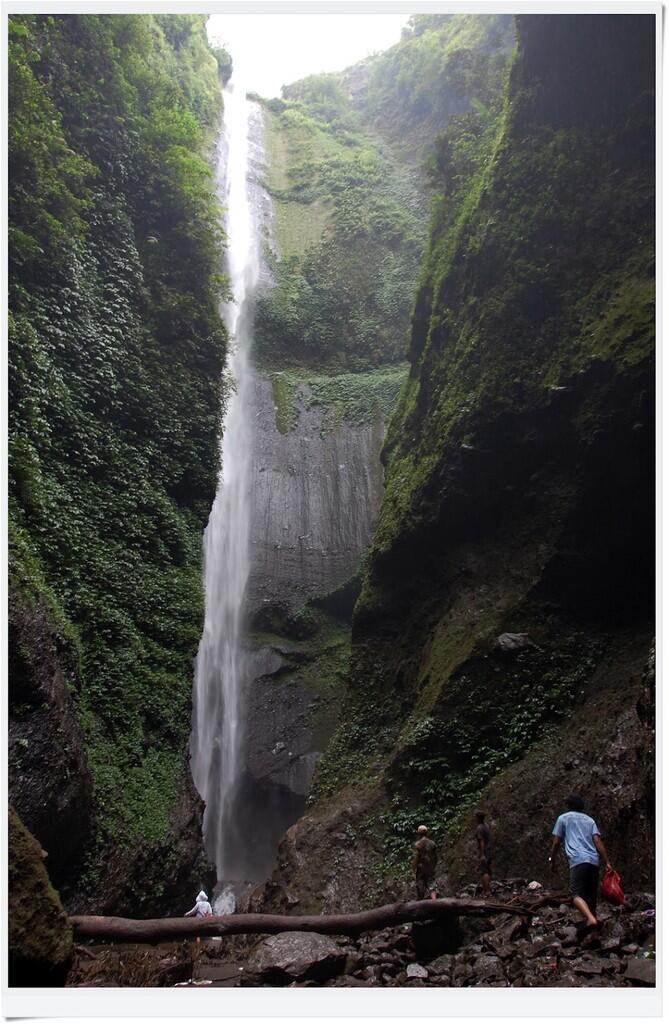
x: 416, y: 971
x: 487, y: 969
x: 40, y: 937
x: 510, y: 642
x: 443, y: 964
x: 640, y: 971
x: 296, y: 956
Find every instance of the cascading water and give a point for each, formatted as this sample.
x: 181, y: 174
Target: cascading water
x: 222, y: 665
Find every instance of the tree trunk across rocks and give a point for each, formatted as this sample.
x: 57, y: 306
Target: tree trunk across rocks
x: 163, y: 929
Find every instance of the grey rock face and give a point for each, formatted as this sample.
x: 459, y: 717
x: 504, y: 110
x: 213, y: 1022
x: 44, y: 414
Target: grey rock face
x: 315, y: 493
x: 280, y: 711
x: 292, y: 956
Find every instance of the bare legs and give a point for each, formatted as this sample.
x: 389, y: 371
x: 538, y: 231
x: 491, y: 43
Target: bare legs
x: 584, y: 909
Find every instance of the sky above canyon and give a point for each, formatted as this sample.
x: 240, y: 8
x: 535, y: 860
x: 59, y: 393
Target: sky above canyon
x: 271, y: 50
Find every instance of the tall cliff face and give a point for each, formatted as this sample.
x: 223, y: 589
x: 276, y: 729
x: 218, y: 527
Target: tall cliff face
x: 344, y: 243
x: 115, y: 357
x: 518, y: 501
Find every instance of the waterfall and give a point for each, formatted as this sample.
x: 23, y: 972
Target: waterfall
x: 221, y: 667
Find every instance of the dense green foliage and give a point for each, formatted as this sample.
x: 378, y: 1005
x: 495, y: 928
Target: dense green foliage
x: 348, y: 229
x: 445, y: 65
x: 115, y: 358
x: 351, y: 214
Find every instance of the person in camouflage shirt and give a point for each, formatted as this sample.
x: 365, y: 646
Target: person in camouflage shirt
x: 424, y: 864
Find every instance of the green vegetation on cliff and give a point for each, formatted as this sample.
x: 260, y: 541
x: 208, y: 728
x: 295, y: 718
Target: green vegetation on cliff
x: 115, y: 357
x: 350, y: 202
x: 519, y: 460
x: 445, y: 66
x: 348, y: 228
x: 353, y: 398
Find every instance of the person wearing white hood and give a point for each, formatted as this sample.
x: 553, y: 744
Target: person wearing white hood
x: 202, y: 907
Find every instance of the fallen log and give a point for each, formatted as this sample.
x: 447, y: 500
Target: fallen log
x: 123, y: 929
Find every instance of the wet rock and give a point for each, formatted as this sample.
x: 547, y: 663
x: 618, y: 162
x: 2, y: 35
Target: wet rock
x: 308, y: 536
x: 373, y: 973
x: 292, y: 956
x: 640, y: 971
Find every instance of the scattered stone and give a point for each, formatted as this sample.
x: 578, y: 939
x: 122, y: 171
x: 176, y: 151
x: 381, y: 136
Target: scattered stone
x: 295, y: 956
x: 612, y: 936
x: 346, y: 981
x: 487, y: 966
x: 641, y: 971
x: 568, y: 936
x: 416, y: 971
x: 534, y: 886
x: 443, y: 964
x: 586, y: 967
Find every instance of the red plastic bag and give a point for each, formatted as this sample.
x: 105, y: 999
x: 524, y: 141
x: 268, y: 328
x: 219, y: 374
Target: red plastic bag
x: 612, y: 890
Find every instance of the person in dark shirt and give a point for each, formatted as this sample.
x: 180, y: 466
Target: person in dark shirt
x: 483, y: 838
x: 424, y: 864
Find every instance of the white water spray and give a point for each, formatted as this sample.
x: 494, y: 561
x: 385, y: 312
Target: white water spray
x: 220, y: 673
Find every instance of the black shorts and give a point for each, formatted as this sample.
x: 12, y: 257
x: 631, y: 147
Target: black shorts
x: 485, y: 866
x: 425, y: 886
x: 584, y: 882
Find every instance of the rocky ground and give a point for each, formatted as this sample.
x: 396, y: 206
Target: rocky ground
x: 547, y: 950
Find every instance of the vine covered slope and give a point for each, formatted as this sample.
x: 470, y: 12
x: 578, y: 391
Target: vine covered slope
x: 115, y: 360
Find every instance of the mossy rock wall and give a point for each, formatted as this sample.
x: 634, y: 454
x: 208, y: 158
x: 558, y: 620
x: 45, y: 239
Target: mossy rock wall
x: 40, y: 936
x: 518, y: 492
x: 116, y: 349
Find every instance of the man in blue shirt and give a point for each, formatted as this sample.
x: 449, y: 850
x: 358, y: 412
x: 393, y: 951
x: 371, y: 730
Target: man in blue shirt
x: 583, y: 846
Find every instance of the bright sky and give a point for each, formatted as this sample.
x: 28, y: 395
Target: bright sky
x: 271, y: 50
